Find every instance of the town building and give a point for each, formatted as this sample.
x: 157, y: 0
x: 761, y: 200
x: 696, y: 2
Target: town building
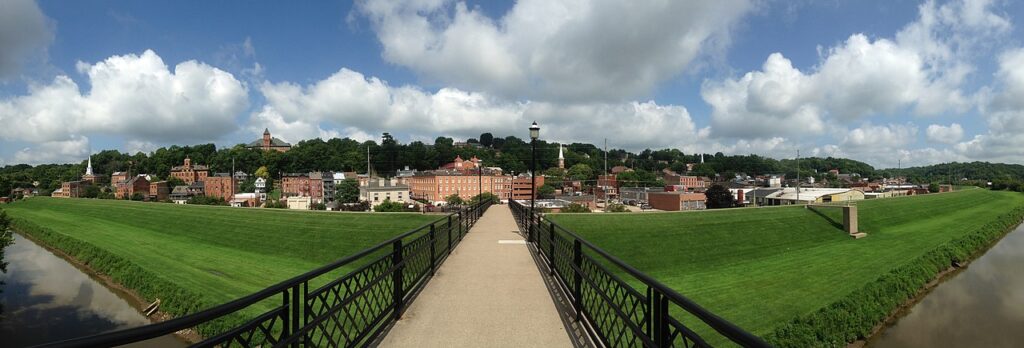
x: 261, y: 188
x: 269, y: 143
x: 607, y: 187
x: 299, y: 203
x: 220, y: 185
x: 118, y: 177
x: 180, y: 194
x: 89, y: 177
x: 435, y: 186
x: 326, y: 180
x: 378, y: 191
x: 126, y: 189
x: 621, y: 169
x: 159, y: 191
x: 303, y: 185
x: 677, y: 201
x: 791, y: 195
x: 460, y: 164
x: 245, y: 200
x: 189, y: 173
x: 72, y: 189
x: 692, y: 183
x: 636, y: 195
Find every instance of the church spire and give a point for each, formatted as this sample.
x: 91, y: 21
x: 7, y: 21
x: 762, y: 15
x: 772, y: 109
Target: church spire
x: 88, y: 169
x: 561, y: 158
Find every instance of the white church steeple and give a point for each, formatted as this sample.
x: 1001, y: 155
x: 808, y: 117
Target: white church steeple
x: 561, y: 158
x: 88, y: 169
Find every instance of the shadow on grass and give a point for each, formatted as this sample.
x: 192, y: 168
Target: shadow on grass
x: 835, y: 223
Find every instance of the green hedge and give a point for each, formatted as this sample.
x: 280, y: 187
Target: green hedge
x: 854, y: 316
x: 175, y: 300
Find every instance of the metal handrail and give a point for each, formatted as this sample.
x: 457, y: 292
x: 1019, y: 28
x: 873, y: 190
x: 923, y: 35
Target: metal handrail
x: 722, y: 326
x: 150, y: 331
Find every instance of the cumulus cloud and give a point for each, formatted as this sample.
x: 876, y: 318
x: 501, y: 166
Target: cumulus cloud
x: 134, y: 96
x: 347, y: 103
x: 921, y: 69
x: 945, y: 134
x: 24, y: 31
x: 1004, y: 112
x: 566, y: 50
x: 72, y: 150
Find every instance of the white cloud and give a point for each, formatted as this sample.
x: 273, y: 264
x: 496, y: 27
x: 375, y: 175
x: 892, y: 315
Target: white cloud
x: 72, y: 150
x: 560, y: 51
x: 348, y: 103
x: 945, y: 134
x: 875, y: 138
x: 134, y: 96
x: 921, y: 69
x: 1005, y: 115
x: 24, y: 32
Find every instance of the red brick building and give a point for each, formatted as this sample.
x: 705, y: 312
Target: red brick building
x: 220, y: 185
x: 269, y: 143
x: 676, y: 201
x: 126, y: 189
x: 118, y: 177
x: 72, y: 189
x: 159, y: 191
x: 691, y: 182
x: 303, y: 185
x: 190, y: 173
x: 607, y: 186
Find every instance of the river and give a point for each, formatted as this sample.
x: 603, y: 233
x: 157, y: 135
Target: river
x: 45, y: 299
x: 981, y: 305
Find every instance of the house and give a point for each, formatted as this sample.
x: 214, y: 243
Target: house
x: 300, y: 202
x: 326, y: 180
x: 607, y: 187
x: 269, y: 143
x: 128, y: 188
x: 261, y: 188
x: 189, y: 173
x: 381, y: 190
x: 677, y: 201
x: 303, y: 185
x: 159, y: 191
x: 589, y: 201
x: 180, y: 194
x: 197, y: 188
x: 118, y: 177
x: 72, y: 189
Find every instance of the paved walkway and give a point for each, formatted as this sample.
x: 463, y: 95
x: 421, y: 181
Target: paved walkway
x: 487, y: 294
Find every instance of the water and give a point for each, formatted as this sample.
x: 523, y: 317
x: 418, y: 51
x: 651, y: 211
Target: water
x: 981, y: 306
x: 46, y: 299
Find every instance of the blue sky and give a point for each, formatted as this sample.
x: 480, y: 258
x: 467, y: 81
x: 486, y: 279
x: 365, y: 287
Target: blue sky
x: 880, y: 81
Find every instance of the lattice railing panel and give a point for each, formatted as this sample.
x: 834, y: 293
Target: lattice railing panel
x: 345, y: 310
x: 615, y: 309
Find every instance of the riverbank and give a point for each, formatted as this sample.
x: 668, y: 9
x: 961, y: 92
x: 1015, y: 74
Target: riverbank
x: 133, y: 298
x: 864, y: 312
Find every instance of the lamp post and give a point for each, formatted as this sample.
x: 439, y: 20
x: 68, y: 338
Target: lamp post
x: 479, y: 181
x: 534, y: 134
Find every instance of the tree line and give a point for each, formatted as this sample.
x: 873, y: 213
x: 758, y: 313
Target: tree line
x: 583, y: 162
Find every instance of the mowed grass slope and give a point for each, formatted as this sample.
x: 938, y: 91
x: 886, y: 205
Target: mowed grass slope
x: 761, y: 267
x: 220, y: 252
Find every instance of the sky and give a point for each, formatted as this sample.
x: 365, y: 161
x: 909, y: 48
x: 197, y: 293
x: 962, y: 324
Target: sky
x: 886, y: 82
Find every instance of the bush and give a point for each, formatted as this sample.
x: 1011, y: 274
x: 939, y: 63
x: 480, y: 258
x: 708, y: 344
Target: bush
x: 361, y: 206
x: 395, y: 207
x: 617, y: 208
x: 206, y: 200
x: 486, y: 196
x: 138, y: 196
x: 275, y: 204
x: 575, y: 208
x: 854, y: 316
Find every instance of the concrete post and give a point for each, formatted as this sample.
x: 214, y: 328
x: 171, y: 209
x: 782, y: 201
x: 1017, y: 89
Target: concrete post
x: 850, y: 219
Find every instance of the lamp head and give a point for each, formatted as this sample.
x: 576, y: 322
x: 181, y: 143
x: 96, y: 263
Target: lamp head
x: 534, y: 131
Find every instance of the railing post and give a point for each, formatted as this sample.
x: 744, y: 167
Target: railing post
x: 449, y: 234
x: 577, y: 289
x: 659, y: 322
x: 461, y: 221
x: 295, y: 311
x: 433, y: 255
x: 285, y: 317
x: 551, y: 247
x: 396, y: 261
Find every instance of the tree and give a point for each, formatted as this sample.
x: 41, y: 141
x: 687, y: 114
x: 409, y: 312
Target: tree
x: 486, y: 196
x: 617, y: 208
x: 173, y: 181
x: 719, y: 197
x: 546, y: 191
x: 454, y: 199
x: 319, y: 206
x: 262, y: 172
x: 91, y: 191
x: 394, y: 207
x: 580, y: 172
x: 933, y: 188
x: 137, y: 196
x: 486, y: 139
x: 348, y: 191
x: 575, y: 208
x: 249, y: 185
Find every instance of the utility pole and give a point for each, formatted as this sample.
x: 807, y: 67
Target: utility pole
x: 798, y: 175
x: 367, y: 161
x: 606, y: 156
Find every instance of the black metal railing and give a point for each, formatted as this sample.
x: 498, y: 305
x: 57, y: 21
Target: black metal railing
x: 320, y: 309
x: 637, y: 311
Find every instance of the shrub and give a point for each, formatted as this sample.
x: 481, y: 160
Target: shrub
x: 575, y: 208
x: 617, y: 208
x: 395, y: 207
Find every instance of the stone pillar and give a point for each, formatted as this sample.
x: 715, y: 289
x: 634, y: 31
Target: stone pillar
x: 850, y: 219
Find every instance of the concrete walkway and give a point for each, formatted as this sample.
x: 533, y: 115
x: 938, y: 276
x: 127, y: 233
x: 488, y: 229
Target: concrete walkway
x: 489, y: 293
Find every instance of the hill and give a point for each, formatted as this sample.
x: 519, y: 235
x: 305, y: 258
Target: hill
x: 762, y: 268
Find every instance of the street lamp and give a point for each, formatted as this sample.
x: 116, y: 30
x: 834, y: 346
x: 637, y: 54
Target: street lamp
x: 534, y: 134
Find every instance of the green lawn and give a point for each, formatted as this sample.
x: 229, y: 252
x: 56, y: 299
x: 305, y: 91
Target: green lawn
x: 220, y: 252
x: 761, y: 267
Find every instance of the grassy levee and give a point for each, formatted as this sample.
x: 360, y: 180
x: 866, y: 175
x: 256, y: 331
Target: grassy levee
x: 195, y: 257
x: 791, y: 275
